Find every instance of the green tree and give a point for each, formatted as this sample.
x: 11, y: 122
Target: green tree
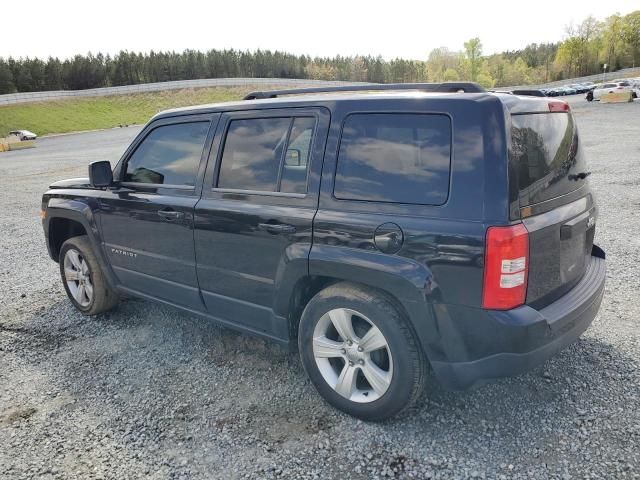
x: 631, y: 34
x: 6, y: 78
x: 473, y: 54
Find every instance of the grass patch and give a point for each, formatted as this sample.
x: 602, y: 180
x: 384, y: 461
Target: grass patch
x: 74, y: 115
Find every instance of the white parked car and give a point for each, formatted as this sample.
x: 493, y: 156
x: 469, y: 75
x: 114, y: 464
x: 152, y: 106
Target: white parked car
x: 23, y: 135
x: 610, y: 87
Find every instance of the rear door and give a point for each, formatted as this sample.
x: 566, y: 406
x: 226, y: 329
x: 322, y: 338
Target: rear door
x: 253, y: 223
x: 147, y: 226
x: 556, y: 203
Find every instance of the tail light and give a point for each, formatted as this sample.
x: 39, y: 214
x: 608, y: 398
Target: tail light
x: 506, y: 267
x: 559, y: 106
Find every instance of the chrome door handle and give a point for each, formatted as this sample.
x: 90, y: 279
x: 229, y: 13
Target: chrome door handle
x: 277, y: 227
x: 170, y: 214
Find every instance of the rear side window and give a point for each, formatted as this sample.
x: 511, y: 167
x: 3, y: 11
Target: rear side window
x: 399, y: 158
x: 169, y: 155
x: 267, y: 154
x: 548, y: 155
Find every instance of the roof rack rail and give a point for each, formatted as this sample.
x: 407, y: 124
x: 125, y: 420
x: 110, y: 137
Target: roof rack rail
x: 445, y: 87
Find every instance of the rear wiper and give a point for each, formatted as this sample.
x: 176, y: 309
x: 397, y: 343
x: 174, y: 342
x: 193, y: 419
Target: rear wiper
x: 579, y: 176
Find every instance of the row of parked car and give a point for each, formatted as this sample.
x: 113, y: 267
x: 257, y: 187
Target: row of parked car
x: 592, y: 90
x: 572, y: 89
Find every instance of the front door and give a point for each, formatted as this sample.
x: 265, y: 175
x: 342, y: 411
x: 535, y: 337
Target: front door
x: 147, y: 224
x: 253, y: 223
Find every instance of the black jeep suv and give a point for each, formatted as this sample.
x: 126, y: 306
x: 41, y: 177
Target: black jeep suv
x: 382, y: 231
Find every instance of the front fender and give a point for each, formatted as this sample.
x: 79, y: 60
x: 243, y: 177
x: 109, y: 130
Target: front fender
x: 408, y: 281
x: 79, y: 210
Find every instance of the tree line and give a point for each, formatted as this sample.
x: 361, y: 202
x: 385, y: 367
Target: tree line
x: 586, y: 48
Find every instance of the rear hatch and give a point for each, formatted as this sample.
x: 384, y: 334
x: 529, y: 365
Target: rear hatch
x: 556, y: 204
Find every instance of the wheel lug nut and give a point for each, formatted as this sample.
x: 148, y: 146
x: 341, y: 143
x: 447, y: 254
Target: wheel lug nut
x: 361, y: 362
x: 343, y: 351
x: 360, y: 349
x: 349, y: 342
x: 351, y: 364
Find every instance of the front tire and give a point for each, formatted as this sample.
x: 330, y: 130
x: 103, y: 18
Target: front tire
x: 83, y: 279
x: 360, y: 353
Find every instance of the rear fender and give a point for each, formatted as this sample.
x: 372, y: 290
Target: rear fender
x: 408, y: 282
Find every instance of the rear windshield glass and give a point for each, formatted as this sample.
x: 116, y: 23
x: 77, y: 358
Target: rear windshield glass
x: 548, y: 156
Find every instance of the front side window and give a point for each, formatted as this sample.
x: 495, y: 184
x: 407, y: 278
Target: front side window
x: 399, y: 158
x: 267, y: 154
x: 169, y: 155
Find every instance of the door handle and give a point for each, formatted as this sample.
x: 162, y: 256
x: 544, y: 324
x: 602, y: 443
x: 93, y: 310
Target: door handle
x: 170, y: 214
x: 277, y: 227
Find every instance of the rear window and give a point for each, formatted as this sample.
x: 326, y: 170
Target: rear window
x: 267, y: 154
x: 399, y: 158
x: 548, y: 155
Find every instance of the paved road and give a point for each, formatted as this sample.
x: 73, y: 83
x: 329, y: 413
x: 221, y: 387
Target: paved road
x: 146, y: 392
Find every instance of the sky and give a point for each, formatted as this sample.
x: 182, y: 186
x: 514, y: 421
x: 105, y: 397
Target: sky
x: 406, y: 29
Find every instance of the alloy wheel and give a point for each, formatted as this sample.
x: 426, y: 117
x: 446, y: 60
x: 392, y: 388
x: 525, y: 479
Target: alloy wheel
x: 352, y: 355
x: 78, y: 277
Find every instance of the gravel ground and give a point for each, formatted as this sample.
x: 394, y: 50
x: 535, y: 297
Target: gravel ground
x: 147, y: 392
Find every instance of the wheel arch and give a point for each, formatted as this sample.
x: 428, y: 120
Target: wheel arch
x: 405, y: 283
x: 67, y: 218
x: 62, y: 229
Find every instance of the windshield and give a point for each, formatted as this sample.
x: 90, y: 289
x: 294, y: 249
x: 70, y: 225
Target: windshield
x: 548, y: 155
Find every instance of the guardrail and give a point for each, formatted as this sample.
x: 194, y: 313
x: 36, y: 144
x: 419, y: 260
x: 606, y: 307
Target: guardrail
x: 25, y: 97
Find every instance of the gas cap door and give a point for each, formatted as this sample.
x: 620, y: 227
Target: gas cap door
x: 388, y: 238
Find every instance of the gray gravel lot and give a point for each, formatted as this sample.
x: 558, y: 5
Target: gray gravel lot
x: 147, y: 392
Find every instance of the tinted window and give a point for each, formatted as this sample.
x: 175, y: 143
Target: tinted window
x: 168, y: 155
x: 401, y: 158
x: 294, y: 172
x: 252, y: 153
x: 548, y: 155
x: 256, y: 155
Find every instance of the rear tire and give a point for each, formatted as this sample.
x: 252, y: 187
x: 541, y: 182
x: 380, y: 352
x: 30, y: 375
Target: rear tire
x: 83, y: 280
x: 374, y: 368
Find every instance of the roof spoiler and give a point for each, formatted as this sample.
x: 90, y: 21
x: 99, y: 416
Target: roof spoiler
x: 444, y: 87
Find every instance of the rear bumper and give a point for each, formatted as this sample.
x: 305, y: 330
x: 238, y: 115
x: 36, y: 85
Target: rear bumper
x: 522, y: 338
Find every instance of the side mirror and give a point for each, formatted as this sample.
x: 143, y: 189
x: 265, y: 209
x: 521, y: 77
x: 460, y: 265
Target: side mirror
x: 100, y: 174
x: 292, y: 158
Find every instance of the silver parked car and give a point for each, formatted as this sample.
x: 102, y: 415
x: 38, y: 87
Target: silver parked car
x: 23, y: 135
x: 609, y: 87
